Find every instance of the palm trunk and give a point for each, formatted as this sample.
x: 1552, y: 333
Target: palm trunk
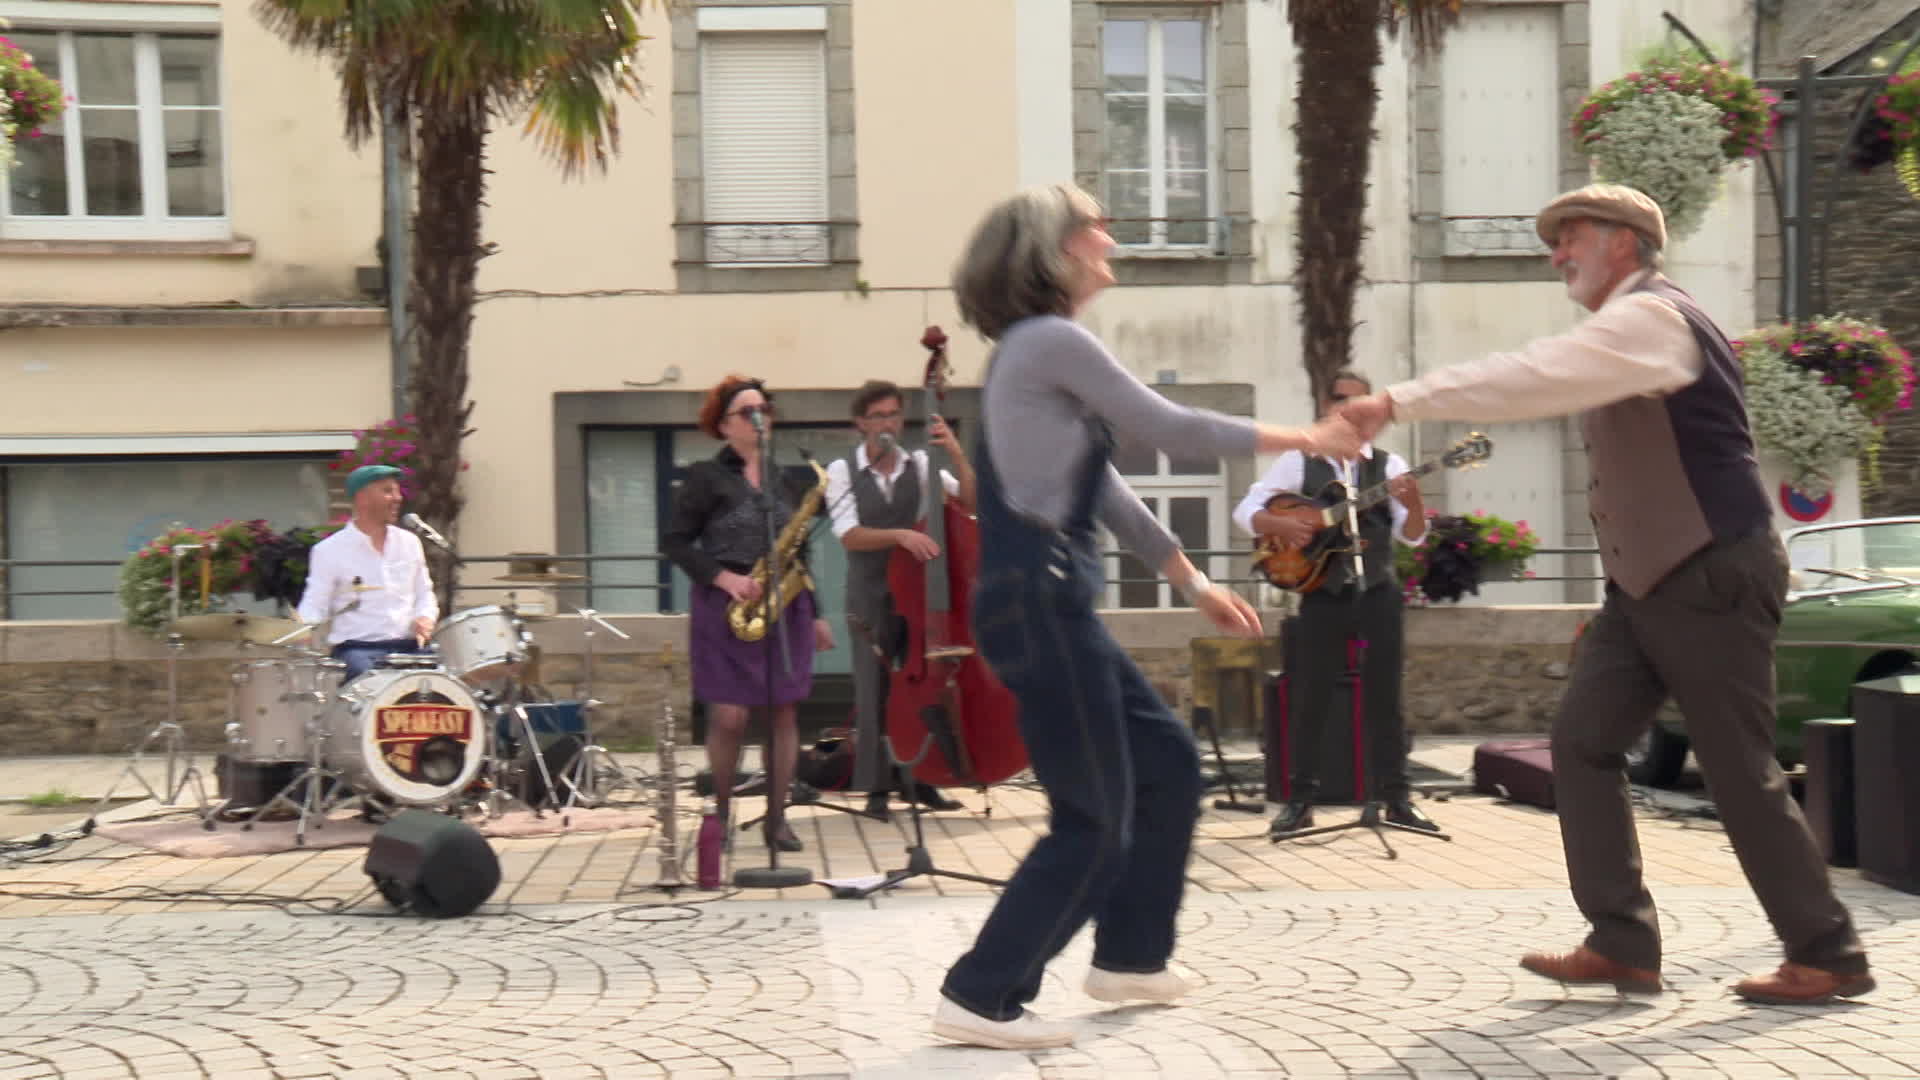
x: 1339, y: 49
x: 446, y: 258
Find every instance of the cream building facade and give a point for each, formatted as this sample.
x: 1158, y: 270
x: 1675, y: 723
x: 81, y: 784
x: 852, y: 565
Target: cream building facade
x: 788, y: 201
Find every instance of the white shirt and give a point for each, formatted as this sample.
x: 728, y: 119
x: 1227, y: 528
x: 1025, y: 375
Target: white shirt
x: 844, y: 509
x: 401, y: 591
x: 1289, y: 472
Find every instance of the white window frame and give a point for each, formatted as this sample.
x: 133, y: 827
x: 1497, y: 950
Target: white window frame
x: 1155, y: 17
x: 1165, y: 486
x: 146, y: 22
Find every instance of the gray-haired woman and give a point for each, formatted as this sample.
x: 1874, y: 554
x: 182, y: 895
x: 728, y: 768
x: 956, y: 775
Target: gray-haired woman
x: 1121, y: 774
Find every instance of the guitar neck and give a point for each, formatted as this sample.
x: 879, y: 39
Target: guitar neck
x: 1368, y: 498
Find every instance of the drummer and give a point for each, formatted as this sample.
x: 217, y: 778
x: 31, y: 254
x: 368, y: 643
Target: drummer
x: 371, y: 578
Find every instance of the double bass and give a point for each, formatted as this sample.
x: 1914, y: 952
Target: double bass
x: 945, y: 707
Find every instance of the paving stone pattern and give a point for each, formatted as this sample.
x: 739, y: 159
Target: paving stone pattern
x: 1368, y: 985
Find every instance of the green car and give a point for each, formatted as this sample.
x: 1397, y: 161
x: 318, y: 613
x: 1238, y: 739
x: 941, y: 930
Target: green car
x: 1852, y: 614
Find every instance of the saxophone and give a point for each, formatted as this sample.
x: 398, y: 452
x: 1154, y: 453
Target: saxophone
x: 749, y: 619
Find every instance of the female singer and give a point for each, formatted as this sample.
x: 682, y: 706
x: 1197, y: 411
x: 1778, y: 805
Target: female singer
x: 717, y: 532
x: 1121, y: 774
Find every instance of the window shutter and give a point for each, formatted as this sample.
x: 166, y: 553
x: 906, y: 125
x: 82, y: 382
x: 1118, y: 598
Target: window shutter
x: 763, y: 101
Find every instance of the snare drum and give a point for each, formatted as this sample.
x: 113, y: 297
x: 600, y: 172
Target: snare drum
x: 274, y: 701
x: 482, y: 644
x: 410, y: 736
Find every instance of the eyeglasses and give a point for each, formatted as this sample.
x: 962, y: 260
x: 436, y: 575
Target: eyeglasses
x: 748, y: 410
x: 891, y: 414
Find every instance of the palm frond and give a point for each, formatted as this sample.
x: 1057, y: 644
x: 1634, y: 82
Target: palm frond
x: 1427, y: 20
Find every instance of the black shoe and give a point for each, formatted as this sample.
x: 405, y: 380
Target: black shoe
x: 1403, y: 812
x: 929, y: 796
x: 1292, y: 817
x: 877, y: 806
x: 781, y: 837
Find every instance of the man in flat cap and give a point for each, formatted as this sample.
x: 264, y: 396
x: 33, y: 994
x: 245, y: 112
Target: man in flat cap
x: 371, y: 578
x: 1695, y: 583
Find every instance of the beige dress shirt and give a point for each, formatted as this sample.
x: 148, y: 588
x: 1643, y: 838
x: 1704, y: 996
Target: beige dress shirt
x: 1635, y: 344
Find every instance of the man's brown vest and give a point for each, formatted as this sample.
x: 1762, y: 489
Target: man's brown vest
x: 1674, y: 473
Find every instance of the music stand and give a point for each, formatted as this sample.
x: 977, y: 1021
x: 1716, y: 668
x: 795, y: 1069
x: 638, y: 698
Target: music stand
x: 772, y: 875
x: 1372, y: 809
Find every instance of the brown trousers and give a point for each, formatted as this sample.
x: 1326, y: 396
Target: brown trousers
x: 1705, y: 636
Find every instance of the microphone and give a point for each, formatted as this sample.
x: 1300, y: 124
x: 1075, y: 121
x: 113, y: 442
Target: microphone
x: 754, y: 417
x: 412, y: 521
x: 883, y: 444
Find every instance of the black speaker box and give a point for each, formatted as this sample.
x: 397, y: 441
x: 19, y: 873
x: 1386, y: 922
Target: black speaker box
x: 432, y: 864
x: 1827, y: 749
x: 1886, y: 801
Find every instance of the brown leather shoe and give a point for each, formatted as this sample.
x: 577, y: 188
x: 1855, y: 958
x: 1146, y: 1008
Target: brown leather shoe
x: 1583, y: 967
x: 1798, y: 984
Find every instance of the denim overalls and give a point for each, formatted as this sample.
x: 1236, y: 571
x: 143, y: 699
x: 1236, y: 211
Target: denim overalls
x: 1121, y: 773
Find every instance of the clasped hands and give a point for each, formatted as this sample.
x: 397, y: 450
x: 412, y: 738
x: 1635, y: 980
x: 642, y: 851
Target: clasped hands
x: 1352, y: 423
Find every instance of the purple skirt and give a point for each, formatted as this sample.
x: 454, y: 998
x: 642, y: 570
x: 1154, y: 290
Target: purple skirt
x: 728, y: 671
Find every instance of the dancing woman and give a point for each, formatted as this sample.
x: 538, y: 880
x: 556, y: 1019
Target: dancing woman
x: 1121, y: 774
x: 717, y: 531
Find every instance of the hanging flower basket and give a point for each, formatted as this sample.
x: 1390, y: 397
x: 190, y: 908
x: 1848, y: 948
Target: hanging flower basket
x: 1820, y: 393
x: 1896, y: 115
x: 390, y: 442
x: 29, y: 100
x: 1461, y: 552
x: 1671, y: 129
x: 233, y: 557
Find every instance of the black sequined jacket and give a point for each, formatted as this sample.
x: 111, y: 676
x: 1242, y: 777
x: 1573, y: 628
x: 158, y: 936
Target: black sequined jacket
x: 719, y: 520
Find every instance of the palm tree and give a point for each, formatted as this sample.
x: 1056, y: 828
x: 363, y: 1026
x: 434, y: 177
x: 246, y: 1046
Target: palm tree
x: 1339, y: 47
x: 450, y: 68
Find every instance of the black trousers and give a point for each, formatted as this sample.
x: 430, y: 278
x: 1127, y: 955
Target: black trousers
x: 1328, y: 619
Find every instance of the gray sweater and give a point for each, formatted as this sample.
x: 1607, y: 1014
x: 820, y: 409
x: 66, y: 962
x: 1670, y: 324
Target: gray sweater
x: 1049, y: 374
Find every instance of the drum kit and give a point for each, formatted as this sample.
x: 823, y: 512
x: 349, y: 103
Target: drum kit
x: 462, y: 727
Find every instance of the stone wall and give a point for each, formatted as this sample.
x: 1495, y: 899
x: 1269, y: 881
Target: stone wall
x: 95, y: 687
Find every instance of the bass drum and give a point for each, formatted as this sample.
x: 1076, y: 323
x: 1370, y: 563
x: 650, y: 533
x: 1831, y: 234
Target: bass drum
x: 408, y: 736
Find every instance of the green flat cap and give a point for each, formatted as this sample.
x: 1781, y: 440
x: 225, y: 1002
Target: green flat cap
x: 367, y: 474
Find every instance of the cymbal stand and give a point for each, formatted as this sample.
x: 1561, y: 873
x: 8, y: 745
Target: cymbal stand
x: 583, y: 776
x: 168, y: 729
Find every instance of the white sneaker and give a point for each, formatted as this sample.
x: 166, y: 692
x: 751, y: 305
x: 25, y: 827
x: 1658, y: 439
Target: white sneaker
x: 1023, y: 1032
x: 1161, y: 986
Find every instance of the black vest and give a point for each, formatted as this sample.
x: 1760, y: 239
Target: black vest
x: 1376, y: 522
x: 867, y: 594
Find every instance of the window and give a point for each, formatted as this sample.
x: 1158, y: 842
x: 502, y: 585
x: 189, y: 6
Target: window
x: 764, y: 161
x: 1189, y: 496
x: 140, y: 150
x: 1490, y: 138
x: 764, y: 100
x: 106, y: 510
x: 1158, y: 179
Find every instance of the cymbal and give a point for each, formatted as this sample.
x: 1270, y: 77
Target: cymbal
x: 233, y: 626
x: 548, y: 578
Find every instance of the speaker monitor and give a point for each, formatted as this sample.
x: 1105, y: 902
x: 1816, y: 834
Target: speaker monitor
x: 432, y: 864
x: 1886, y: 757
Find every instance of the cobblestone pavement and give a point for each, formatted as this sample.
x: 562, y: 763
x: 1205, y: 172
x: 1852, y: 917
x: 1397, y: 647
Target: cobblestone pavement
x: 1319, y: 958
x: 1292, y: 985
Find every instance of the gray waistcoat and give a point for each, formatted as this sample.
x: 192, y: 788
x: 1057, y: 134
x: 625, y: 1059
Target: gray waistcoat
x: 867, y: 594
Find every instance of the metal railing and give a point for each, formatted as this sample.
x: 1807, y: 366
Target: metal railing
x: 663, y: 590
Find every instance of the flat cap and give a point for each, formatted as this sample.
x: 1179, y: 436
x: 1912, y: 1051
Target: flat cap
x: 367, y: 474
x: 1617, y: 203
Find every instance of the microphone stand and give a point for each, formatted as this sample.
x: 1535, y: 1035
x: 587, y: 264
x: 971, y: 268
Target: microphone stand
x: 773, y: 875
x: 1373, y: 809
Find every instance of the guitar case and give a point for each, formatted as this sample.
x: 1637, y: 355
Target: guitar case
x: 1517, y: 770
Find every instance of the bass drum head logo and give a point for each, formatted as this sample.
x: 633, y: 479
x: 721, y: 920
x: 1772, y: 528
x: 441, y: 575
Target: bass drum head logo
x: 423, y: 735
x: 1800, y: 506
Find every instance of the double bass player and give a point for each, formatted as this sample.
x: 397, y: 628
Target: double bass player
x: 874, y: 500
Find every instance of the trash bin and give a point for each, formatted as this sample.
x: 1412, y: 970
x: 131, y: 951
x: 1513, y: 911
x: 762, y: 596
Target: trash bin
x: 1886, y: 758
x: 1827, y: 750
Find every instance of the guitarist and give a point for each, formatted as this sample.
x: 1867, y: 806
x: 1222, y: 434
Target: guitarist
x: 1329, y: 617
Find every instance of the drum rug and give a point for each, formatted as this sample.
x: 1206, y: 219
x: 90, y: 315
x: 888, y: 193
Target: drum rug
x: 187, y: 838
